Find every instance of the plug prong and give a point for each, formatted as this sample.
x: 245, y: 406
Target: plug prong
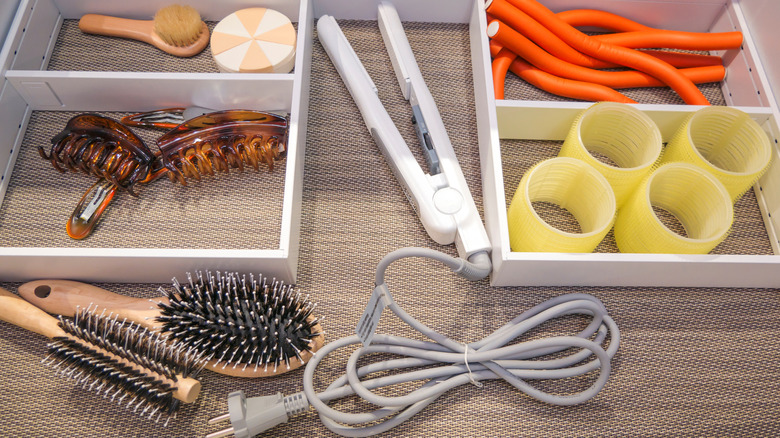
x: 221, y: 433
x: 220, y: 418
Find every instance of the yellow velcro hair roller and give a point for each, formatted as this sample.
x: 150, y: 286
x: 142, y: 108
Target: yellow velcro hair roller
x: 727, y: 143
x: 696, y: 199
x: 621, y: 133
x: 572, y: 185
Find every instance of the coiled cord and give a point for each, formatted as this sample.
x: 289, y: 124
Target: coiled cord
x: 490, y: 358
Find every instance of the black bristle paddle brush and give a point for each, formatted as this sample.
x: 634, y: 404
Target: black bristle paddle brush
x: 115, y: 358
x: 244, y: 326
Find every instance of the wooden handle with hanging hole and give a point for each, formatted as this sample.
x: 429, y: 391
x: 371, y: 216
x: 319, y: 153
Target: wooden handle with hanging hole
x: 66, y: 297
x: 17, y: 311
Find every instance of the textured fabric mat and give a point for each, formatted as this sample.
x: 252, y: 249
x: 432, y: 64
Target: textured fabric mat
x: 693, y: 362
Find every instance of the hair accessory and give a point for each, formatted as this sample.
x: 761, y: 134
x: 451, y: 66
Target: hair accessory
x: 101, y: 147
x: 727, y: 143
x: 254, y: 40
x: 245, y: 326
x: 118, y: 360
x: 692, y: 195
x: 221, y: 140
x: 571, y: 184
x: 627, y: 137
x: 104, y: 148
x: 441, y: 196
x: 175, y: 29
x: 562, y: 60
x: 209, y: 142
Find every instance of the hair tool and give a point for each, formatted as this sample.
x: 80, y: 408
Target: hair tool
x: 440, y: 197
x: 205, y: 142
x: 117, y: 359
x: 167, y: 118
x: 443, y: 202
x: 245, y: 326
x: 175, y: 29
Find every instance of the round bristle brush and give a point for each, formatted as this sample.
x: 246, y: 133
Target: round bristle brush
x: 245, y: 326
x: 115, y: 358
x: 175, y: 29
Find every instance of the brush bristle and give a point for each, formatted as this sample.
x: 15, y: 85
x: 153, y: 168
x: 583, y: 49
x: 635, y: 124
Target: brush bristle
x: 88, y: 363
x: 240, y: 321
x: 178, y: 25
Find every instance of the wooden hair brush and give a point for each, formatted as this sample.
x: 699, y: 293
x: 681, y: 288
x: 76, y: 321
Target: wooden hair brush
x: 175, y: 29
x: 246, y: 327
x: 115, y: 358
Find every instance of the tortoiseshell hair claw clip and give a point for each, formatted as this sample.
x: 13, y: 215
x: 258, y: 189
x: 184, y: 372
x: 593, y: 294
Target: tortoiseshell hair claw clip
x: 222, y: 140
x: 102, y: 147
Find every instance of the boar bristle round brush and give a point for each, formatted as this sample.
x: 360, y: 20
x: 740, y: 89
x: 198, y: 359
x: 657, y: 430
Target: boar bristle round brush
x: 245, y: 326
x: 113, y: 357
x: 175, y: 29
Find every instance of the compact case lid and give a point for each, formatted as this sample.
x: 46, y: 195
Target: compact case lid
x: 254, y: 40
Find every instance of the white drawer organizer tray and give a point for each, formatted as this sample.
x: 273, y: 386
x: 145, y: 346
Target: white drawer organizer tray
x: 27, y: 86
x: 745, y: 87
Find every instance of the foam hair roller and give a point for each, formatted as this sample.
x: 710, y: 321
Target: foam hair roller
x: 727, y: 143
x: 613, y: 53
x: 525, y: 48
x: 572, y: 185
x: 696, y: 199
x: 506, y: 60
x: 623, y: 134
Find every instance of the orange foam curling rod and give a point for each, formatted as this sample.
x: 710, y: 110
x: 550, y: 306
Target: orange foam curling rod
x: 540, y: 35
x: 637, y: 35
x: 612, y: 53
x: 600, y: 19
x: 500, y: 66
x: 677, y: 59
x: 550, y: 83
x: 646, y: 39
x: 526, y: 49
x: 617, y: 23
x: 685, y: 60
x: 547, y: 40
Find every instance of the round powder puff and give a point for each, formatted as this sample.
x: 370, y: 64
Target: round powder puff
x: 254, y: 40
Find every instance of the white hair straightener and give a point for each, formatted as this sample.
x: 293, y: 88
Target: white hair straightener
x: 440, y: 196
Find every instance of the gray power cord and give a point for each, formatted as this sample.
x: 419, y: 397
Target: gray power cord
x: 490, y: 358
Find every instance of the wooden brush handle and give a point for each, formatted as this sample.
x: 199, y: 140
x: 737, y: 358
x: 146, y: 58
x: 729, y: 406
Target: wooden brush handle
x: 64, y: 297
x: 140, y: 30
x: 19, y: 312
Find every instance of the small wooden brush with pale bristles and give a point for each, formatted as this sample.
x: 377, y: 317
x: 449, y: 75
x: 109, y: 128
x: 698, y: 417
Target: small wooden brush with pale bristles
x: 175, y: 29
